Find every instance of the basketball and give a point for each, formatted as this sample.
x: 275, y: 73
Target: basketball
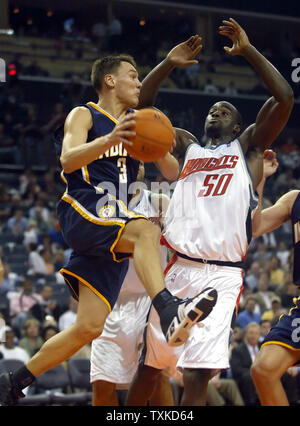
x: 154, y: 135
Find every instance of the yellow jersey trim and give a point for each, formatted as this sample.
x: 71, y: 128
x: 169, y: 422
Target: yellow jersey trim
x: 87, y: 215
x: 97, y: 107
x: 83, y: 281
x: 85, y: 174
x: 274, y: 342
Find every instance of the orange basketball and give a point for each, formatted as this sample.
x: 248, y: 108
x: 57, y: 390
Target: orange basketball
x: 154, y: 135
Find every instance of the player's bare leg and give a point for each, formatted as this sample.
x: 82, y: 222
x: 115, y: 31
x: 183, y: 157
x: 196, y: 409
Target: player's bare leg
x: 91, y: 315
x: 162, y: 395
x: 141, y: 237
x: 104, y: 394
x: 270, y: 364
x: 195, y: 383
x: 143, y: 385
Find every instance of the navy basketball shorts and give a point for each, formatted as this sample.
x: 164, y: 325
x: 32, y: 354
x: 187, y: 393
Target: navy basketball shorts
x: 287, y: 331
x: 93, y: 238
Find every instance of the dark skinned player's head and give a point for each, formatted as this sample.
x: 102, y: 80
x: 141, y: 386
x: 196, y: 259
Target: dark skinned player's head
x: 223, y: 121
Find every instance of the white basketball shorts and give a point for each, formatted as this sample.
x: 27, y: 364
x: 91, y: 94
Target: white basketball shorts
x: 115, y: 354
x: 208, y: 344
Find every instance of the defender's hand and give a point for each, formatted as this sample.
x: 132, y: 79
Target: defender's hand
x: 236, y: 34
x: 184, y: 53
x: 270, y: 163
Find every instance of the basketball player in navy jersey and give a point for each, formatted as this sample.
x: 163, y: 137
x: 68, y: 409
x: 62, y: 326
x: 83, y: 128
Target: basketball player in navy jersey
x: 211, y: 243
x: 281, y: 347
x: 97, y: 224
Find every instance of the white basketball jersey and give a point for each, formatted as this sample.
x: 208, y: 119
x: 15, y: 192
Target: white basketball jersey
x: 209, y: 215
x: 132, y: 283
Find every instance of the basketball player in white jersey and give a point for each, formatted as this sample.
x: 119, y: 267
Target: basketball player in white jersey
x: 208, y: 225
x: 115, y: 354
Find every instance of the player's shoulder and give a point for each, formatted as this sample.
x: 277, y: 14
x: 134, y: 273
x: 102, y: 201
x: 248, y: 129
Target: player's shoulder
x: 288, y: 199
x: 184, y: 136
x: 79, y: 115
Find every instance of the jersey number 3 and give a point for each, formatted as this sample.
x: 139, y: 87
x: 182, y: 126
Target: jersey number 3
x: 121, y: 163
x: 215, y: 185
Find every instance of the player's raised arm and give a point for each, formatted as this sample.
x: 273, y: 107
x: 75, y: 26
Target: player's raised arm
x: 76, y: 153
x: 273, y: 217
x: 182, y: 55
x: 275, y: 113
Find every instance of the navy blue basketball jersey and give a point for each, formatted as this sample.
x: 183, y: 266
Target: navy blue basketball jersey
x: 113, y: 171
x: 295, y: 218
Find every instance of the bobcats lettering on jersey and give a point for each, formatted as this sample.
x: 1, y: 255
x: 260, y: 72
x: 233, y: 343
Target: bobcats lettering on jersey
x: 209, y: 164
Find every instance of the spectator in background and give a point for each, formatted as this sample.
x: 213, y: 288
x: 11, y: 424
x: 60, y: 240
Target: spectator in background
x: 261, y: 253
x: 265, y: 326
x: 274, y: 313
x: 248, y: 315
x: 283, y: 254
x: 31, y: 138
x: 56, y: 119
x: 46, y: 306
x: 221, y: 391
x: 9, y: 280
x: 114, y: 31
x: 251, y: 279
x: 99, y: 34
x: 20, y: 304
x: 32, y: 341
x: 287, y: 297
x: 288, y: 147
x: 45, y: 253
x: 31, y: 233
x: 276, y: 272
x: 231, y: 90
x: 8, y: 147
x: 36, y: 263
x: 69, y: 317
x: 286, y: 181
x: 209, y: 88
x: 41, y: 215
x: 18, y: 223
x: 48, y: 332
x: 59, y: 259
x: 264, y: 296
x: 10, y: 350
x: 241, y: 360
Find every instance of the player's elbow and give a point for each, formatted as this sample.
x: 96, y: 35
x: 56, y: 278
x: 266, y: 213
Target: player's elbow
x: 172, y: 174
x: 256, y: 233
x: 288, y: 97
x: 66, y: 164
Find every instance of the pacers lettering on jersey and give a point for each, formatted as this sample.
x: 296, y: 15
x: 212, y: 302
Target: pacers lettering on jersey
x: 297, y: 232
x: 209, y: 164
x: 116, y: 150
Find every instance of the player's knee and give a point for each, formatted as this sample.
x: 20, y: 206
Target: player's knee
x: 150, y: 233
x: 88, y: 330
x: 260, y: 370
x: 148, y: 374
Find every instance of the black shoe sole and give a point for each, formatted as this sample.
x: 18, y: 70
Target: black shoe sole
x: 198, y: 312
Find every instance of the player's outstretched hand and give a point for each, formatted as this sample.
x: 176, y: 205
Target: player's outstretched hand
x: 123, y: 131
x: 236, y: 34
x: 184, y: 54
x: 270, y: 163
